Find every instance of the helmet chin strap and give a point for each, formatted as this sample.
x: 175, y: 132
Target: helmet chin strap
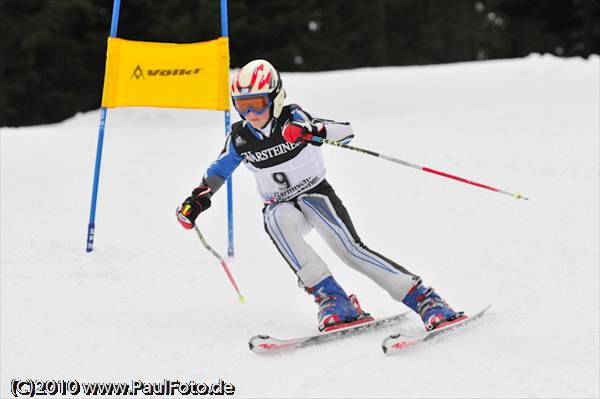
x: 266, y: 123
x: 271, y: 118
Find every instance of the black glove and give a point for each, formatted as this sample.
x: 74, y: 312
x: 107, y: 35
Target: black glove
x: 193, y: 206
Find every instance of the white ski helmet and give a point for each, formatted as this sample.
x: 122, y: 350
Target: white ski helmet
x: 258, y: 78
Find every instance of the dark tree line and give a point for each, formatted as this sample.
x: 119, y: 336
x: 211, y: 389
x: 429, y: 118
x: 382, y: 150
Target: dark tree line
x: 52, y: 51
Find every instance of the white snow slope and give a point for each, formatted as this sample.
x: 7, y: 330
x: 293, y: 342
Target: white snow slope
x: 151, y: 303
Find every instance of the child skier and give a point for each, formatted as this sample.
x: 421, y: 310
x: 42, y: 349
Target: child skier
x: 274, y: 142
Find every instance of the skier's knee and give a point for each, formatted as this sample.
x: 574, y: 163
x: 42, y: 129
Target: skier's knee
x: 288, y: 219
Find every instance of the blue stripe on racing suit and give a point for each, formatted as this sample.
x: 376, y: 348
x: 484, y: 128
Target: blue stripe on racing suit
x: 227, y: 161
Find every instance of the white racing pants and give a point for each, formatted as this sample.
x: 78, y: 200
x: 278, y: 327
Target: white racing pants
x: 288, y: 222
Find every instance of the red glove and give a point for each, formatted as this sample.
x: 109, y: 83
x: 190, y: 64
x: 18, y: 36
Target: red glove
x: 301, y: 130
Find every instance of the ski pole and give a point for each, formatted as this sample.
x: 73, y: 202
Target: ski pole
x: 222, y: 261
x: 412, y: 165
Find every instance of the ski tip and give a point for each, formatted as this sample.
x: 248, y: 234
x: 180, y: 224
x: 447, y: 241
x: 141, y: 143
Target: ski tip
x: 256, y: 340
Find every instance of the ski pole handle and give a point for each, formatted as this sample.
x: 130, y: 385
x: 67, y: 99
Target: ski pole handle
x: 415, y: 166
x: 223, y: 263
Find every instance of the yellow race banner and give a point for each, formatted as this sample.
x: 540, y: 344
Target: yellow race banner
x: 194, y: 75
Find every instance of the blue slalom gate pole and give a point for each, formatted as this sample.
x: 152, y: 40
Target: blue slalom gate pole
x: 225, y: 33
x: 92, y: 223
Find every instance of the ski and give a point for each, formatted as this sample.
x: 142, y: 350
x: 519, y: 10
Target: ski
x: 395, y: 343
x: 267, y: 344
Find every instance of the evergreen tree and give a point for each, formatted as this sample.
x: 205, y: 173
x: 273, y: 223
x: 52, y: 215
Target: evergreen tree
x: 53, y: 51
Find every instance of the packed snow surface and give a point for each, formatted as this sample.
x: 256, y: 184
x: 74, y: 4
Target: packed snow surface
x: 151, y: 303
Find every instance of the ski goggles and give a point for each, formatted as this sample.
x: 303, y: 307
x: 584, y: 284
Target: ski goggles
x: 256, y: 104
